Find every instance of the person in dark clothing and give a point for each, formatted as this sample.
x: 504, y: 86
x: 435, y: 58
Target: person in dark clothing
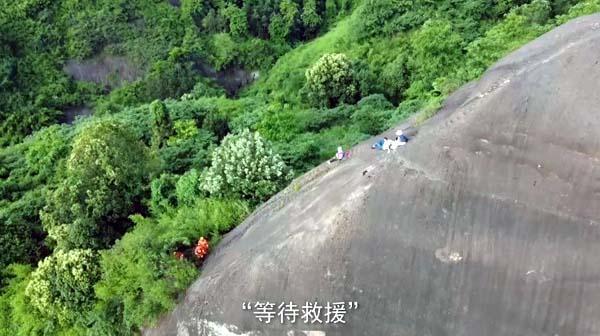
x: 401, y: 138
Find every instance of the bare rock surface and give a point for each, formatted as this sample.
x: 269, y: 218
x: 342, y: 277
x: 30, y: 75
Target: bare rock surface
x: 110, y: 71
x: 486, y: 223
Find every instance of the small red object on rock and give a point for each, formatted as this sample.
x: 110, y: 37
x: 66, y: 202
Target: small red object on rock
x: 201, y: 249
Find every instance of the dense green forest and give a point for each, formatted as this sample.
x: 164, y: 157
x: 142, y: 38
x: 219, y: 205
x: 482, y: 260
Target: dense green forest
x: 193, y: 113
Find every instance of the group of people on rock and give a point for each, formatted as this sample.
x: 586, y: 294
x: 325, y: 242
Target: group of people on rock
x: 390, y: 145
x: 383, y: 144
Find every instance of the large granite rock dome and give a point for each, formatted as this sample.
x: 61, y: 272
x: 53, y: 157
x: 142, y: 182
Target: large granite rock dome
x: 487, y: 223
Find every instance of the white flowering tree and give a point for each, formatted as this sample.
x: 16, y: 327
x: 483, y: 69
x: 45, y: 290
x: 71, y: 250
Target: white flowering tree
x: 245, y: 166
x: 330, y: 81
x: 62, y: 286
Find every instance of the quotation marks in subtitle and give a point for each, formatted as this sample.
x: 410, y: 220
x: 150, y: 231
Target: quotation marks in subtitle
x: 309, y: 312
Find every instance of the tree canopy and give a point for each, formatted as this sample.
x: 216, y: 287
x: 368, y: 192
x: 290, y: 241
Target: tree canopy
x: 103, y: 181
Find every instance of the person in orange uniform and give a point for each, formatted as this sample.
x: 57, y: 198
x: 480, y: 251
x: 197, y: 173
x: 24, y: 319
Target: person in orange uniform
x: 202, y: 248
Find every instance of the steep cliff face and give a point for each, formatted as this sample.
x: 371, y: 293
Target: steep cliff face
x: 486, y: 223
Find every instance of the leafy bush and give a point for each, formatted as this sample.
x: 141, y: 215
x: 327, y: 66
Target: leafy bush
x: 281, y: 24
x: 284, y: 81
x: 259, y: 54
x: 216, y: 123
x: 310, y: 17
x: 522, y: 24
x: 204, y: 88
x: 404, y: 110
x: 375, y: 102
x: 25, y: 172
x: 372, y: 114
x: 386, y: 17
x: 302, y: 152
x: 279, y: 124
x: 190, y: 147
x: 187, y: 189
x: 16, y: 315
x: 367, y: 81
x: 238, y: 24
x: 140, y: 276
x: 163, y: 193
x: 21, y: 233
x: 62, y: 287
x: 395, y: 77
x: 103, y: 183
x: 436, y: 49
x: 225, y: 51
x: 245, y: 166
x: 169, y: 79
x: 314, y: 120
x: 306, y: 150
x: 582, y: 8
x: 161, y: 123
x: 330, y: 81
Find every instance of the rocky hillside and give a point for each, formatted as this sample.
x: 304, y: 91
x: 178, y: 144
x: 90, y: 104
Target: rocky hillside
x: 486, y: 223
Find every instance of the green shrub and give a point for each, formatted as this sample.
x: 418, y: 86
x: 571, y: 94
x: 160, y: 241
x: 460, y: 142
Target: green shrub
x: 404, y: 110
x: 169, y: 79
x: 436, y: 49
x: 26, y: 171
x: 310, y: 17
x: 314, y: 120
x: 213, y: 22
x: 284, y: 81
x: 140, y: 276
x: 278, y: 124
x: 184, y: 129
x: 521, y: 25
x: 216, y: 123
x: 225, y: 51
x: 162, y: 196
x: 162, y: 126
x: 245, y: 166
x: 372, y: 114
x: 62, y: 287
x: 395, y: 77
x: 194, y: 10
x: 238, y: 24
x: 366, y: 78
x: 580, y: 9
x: 16, y: 314
x: 104, y: 178
x: 21, y: 233
x: 330, y: 81
x: 307, y: 150
x: 386, y: 17
x: 190, y: 147
x: 281, y: 24
x: 258, y: 54
x: 376, y: 102
x: 302, y: 152
x: 204, y: 88
x: 46, y: 149
x: 429, y: 109
x: 188, y: 188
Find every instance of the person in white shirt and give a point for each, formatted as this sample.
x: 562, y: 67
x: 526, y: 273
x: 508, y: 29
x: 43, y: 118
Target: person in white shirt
x: 339, y: 155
